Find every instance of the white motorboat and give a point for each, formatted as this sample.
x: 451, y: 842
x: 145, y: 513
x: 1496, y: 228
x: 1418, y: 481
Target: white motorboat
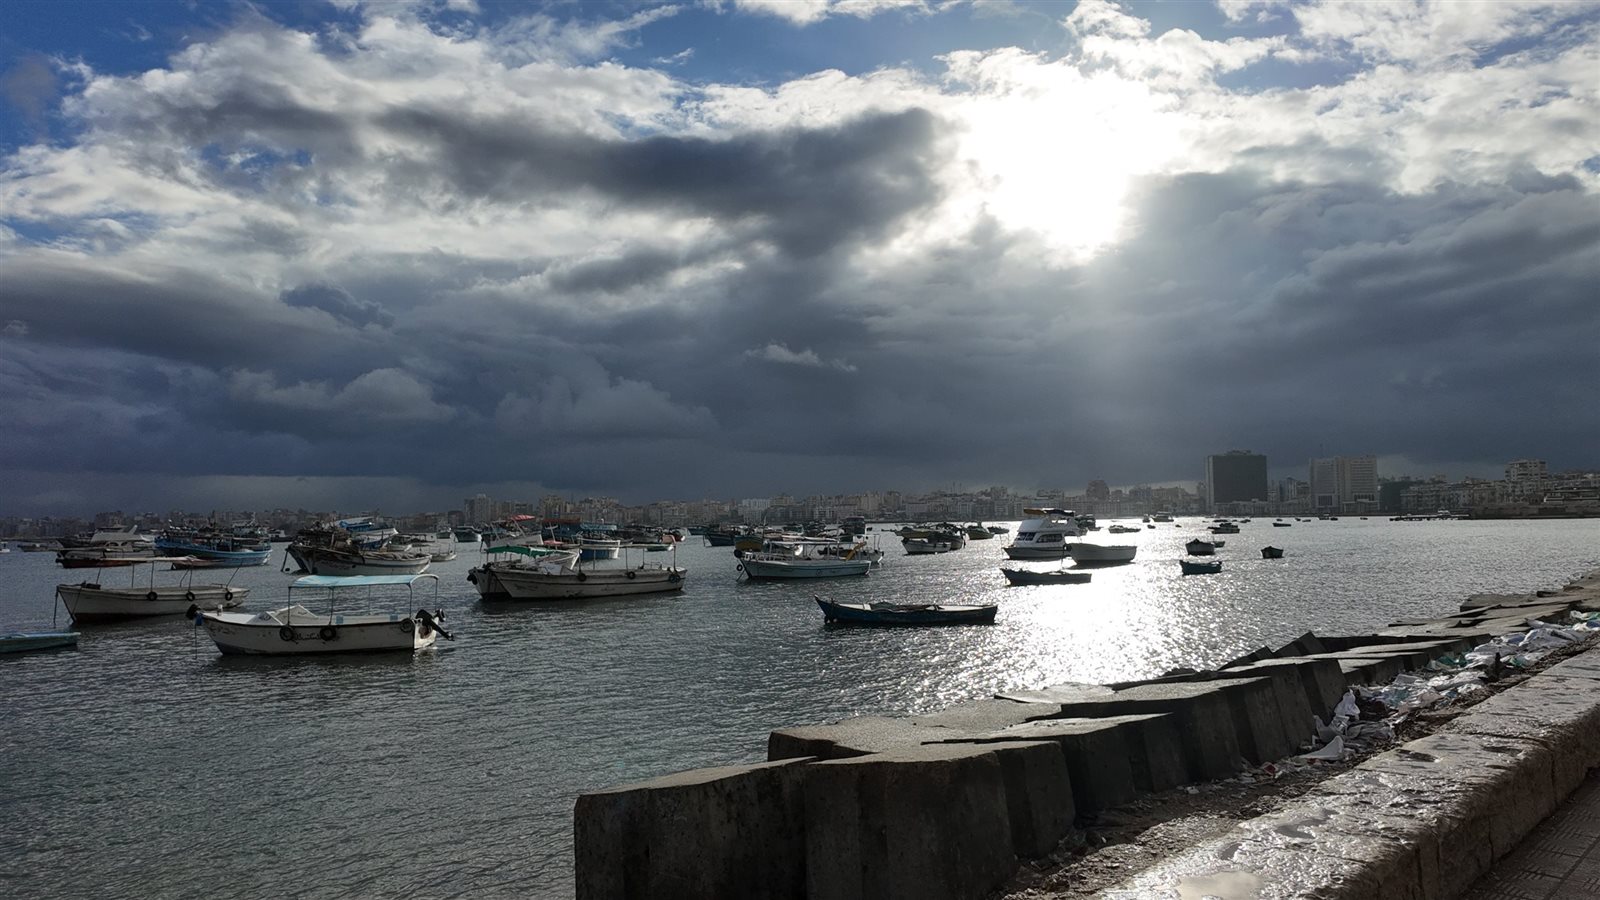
x: 545, y: 574
x: 1086, y: 554
x: 1045, y: 535
x: 90, y: 601
x: 297, y: 630
x: 794, y: 559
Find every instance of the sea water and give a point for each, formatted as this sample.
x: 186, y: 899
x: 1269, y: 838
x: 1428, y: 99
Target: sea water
x: 144, y: 764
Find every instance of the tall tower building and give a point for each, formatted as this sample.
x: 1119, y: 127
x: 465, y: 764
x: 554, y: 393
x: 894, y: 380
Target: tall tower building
x: 1235, y: 476
x: 1344, y: 483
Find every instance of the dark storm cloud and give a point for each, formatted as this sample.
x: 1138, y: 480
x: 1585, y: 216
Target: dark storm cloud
x: 176, y: 314
x: 337, y: 302
x: 811, y: 189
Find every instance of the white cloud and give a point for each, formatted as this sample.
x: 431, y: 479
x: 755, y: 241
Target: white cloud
x: 778, y: 353
x: 807, y: 12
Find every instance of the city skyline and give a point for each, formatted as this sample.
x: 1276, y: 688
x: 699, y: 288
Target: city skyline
x: 392, y: 254
x: 1369, y: 490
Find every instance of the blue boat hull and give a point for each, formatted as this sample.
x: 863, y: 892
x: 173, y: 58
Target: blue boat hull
x: 24, y: 642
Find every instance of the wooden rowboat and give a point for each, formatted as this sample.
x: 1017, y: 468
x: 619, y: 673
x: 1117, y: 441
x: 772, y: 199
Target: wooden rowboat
x: 881, y: 613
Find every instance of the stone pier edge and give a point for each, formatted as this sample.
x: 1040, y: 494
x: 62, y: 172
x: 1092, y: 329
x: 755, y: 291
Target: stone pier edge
x: 1420, y: 821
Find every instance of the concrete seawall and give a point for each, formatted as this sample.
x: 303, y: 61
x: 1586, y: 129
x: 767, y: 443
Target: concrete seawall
x: 946, y: 805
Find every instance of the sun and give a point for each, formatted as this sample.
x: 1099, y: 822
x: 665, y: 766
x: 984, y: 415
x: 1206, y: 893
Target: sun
x: 1054, y: 152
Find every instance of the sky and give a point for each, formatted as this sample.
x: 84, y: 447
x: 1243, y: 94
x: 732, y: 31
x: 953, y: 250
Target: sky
x: 359, y: 255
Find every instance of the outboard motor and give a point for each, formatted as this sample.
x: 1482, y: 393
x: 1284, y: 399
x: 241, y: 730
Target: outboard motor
x: 432, y: 620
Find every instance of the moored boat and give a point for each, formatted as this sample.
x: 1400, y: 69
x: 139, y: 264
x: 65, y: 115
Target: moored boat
x: 1197, y: 547
x: 796, y: 559
x: 27, y: 641
x: 1086, y: 554
x: 879, y: 612
x: 924, y: 546
x: 215, y: 550
x: 1272, y: 553
x: 88, y: 601
x: 442, y: 556
x: 297, y: 630
x: 1055, y: 576
x: 546, y: 574
x: 1045, y: 535
x: 1282, y: 524
x: 1195, y: 567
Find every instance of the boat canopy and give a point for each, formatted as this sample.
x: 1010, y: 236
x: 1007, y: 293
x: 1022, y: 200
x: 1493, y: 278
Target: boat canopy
x: 332, y: 581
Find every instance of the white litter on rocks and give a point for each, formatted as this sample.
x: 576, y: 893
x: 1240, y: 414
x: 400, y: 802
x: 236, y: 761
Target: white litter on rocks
x: 1366, y: 717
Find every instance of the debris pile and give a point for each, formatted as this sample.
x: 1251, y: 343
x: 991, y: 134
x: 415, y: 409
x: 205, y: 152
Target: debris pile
x: 1366, y: 719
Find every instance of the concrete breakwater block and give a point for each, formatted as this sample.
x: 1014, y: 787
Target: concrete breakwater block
x: 923, y: 823
x: 1320, y: 681
x: 1056, y: 694
x: 862, y: 735
x: 1110, y: 759
x: 1038, y: 795
x: 730, y: 832
x: 1205, y: 714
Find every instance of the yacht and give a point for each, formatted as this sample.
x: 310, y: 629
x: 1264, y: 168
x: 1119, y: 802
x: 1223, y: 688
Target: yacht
x: 1044, y: 535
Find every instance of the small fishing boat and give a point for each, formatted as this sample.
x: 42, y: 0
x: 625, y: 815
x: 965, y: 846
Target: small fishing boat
x: 879, y: 612
x: 1055, y: 576
x: 26, y: 641
x: 1195, y: 567
x: 1223, y: 526
x: 1282, y: 524
x: 443, y: 556
x: 1124, y: 529
x: 798, y: 559
x: 1086, y: 554
x: 295, y: 630
x: 1272, y: 553
x: 1198, y: 547
x: 924, y: 546
x: 89, y: 601
x: 550, y: 574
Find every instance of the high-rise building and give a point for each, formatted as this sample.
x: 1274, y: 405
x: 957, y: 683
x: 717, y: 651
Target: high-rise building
x: 1344, y: 483
x: 1098, y: 490
x: 1235, y: 476
x: 479, y: 510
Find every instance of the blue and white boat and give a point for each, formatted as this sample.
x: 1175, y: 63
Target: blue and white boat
x: 26, y: 641
x: 213, y: 550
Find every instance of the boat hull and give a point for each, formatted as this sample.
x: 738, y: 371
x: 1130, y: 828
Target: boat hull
x: 1200, y: 568
x: 813, y: 568
x: 320, y: 636
x: 513, y: 583
x: 910, y: 615
x: 1058, y: 551
x: 322, y: 562
x: 27, y: 642
x: 93, y: 603
x: 1023, y: 576
x: 1103, y: 554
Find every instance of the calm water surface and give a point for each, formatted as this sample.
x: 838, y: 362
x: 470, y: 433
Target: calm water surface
x: 145, y: 764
